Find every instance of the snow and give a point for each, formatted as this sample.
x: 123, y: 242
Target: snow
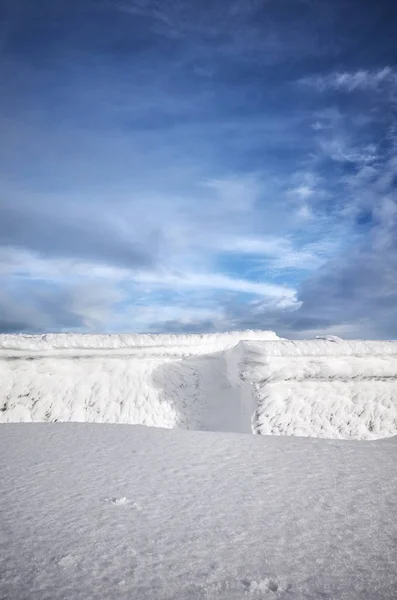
x: 163, y: 381
x: 330, y: 389
x: 129, y: 343
x: 91, y: 511
x: 105, y: 508
x: 234, y: 382
x: 329, y: 338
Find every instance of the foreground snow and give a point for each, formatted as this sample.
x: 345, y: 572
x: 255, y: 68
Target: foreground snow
x: 117, y: 511
x: 236, y: 382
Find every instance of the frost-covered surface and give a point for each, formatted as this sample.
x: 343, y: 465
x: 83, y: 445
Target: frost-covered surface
x: 191, y: 393
x: 116, y: 511
x: 241, y: 382
x: 321, y: 347
x: 333, y: 389
x: 128, y: 343
x: 164, y: 381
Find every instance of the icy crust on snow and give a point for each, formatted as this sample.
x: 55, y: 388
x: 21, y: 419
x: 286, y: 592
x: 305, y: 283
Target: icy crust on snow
x: 122, y: 512
x: 332, y: 389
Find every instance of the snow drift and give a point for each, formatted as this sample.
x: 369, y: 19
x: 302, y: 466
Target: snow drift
x: 333, y: 389
x: 173, y: 381
x: 237, y: 382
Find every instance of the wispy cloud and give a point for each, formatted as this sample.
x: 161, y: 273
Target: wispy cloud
x: 278, y: 253
x: 360, y: 80
x: 219, y: 282
x: 237, y: 193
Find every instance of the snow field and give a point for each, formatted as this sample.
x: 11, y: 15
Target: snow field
x: 236, y: 382
x: 121, y: 512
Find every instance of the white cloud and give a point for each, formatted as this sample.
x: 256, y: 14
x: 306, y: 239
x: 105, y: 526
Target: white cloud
x: 216, y: 281
x: 339, y: 150
x: 29, y: 266
x: 94, y: 304
x: 23, y: 264
x: 281, y: 253
x: 362, y: 79
x: 303, y: 191
x: 143, y: 318
x: 95, y: 296
x: 236, y: 193
x: 304, y: 212
x: 269, y: 246
x: 307, y: 188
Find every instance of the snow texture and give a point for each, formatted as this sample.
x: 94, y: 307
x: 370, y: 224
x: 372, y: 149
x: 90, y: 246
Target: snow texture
x: 185, y: 345
x: 331, y: 389
x: 99, y: 512
x: 165, y: 380
x: 236, y: 382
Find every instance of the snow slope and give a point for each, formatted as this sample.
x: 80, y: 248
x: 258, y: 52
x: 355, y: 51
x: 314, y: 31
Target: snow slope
x: 332, y: 389
x: 240, y: 382
x: 99, y: 512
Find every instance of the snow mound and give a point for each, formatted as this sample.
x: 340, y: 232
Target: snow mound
x: 329, y: 338
x: 165, y: 380
x: 322, y: 388
x: 237, y: 382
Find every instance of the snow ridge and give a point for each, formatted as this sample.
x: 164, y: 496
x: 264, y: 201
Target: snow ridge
x: 237, y: 382
x: 163, y: 381
x: 184, y: 344
x: 332, y: 389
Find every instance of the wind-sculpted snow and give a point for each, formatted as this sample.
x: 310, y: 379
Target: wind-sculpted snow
x: 237, y: 382
x: 333, y: 389
x: 164, y: 381
x: 129, y: 343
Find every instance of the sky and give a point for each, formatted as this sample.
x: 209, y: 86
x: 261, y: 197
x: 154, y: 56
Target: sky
x: 197, y: 166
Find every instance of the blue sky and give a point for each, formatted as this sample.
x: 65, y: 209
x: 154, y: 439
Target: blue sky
x: 196, y: 166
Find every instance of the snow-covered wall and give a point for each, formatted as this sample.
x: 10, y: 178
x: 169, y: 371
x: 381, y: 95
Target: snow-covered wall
x: 159, y: 380
x: 332, y: 389
x: 241, y: 381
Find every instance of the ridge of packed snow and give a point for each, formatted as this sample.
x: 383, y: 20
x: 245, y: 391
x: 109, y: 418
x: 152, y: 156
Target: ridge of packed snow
x: 318, y: 347
x: 346, y: 389
x: 197, y: 343
x: 164, y: 381
x: 239, y: 381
